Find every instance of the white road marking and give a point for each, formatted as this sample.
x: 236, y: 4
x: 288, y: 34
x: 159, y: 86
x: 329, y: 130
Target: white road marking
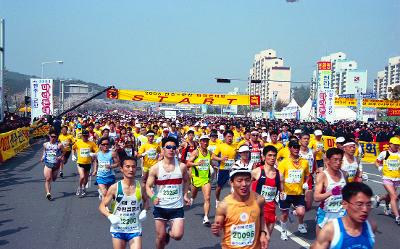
x: 293, y: 237
x: 372, y: 174
x: 369, y: 180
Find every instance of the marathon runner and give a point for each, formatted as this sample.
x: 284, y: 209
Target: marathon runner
x: 244, y: 155
x: 267, y: 183
x: 200, y: 164
x: 284, y: 135
x: 170, y: 179
x: 353, y: 230
x: 351, y: 164
x: 187, y: 148
x: 150, y: 152
x: 128, y: 211
x: 107, y: 160
x: 317, y: 144
x: 255, y: 147
x: 52, y: 158
x: 295, y: 174
x: 226, y: 154
x: 84, y: 149
x: 240, y: 215
x: 274, y: 141
x: 388, y: 162
x: 66, y: 140
x: 309, y: 155
x: 328, y: 189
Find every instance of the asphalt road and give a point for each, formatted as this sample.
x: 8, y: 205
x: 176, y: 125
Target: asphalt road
x: 28, y: 220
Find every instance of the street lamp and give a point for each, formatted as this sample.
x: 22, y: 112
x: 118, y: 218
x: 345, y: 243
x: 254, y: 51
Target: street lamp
x: 49, y: 62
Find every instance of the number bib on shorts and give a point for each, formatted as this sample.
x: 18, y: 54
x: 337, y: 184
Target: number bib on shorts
x: 152, y: 154
x: 268, y: 193
x: 84, y: 152
x: 294, y: 176
x: 228, y: 164
x: 243, y: 235
x: 393, y: 164
x: 333, y: 204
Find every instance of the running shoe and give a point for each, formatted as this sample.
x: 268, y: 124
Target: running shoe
x: 386, y: 209
x: 377, y: 201
x: 61, y: 174
x: 83, y: 193
x: 397, y: 220
x: 284, y: 235
x: 302, y: 229
x: 78, y: 191
x: 206, y: 221
x: 48, y: 196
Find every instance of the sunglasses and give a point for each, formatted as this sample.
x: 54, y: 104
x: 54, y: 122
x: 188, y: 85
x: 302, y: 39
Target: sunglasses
x: 296, y: 147
x: 105, y: 144
x: 173, y: 147
x: 53, y: 136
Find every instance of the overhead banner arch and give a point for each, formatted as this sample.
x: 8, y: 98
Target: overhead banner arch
x: 372, y: 103
x: 183, y: 98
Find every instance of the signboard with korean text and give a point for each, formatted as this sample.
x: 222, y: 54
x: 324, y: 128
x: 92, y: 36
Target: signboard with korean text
x: 324, y: 74
x: 41, y: 97
x: 326, y: 104
x: 393, y: 112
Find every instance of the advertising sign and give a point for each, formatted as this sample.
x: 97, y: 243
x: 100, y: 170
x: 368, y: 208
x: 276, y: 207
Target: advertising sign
x: 393, y: 112
x: 324, y: 74
x: 41, y: 97
x: 184, y: 98
x: 325, y: 105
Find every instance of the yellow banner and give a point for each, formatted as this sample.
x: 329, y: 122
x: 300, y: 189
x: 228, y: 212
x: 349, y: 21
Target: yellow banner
x: 39, y: 132
x: 13, y: 142
x: 374, y: 103
x: 183, y: 98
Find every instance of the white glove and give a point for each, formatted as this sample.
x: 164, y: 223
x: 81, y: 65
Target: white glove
x: 143, y: 215
x: 364, y: 177
x: 144, y: 153
x: 92, y: 154
x: 380, y: 168
x: 73, y: 158
x: 283, y: 196
x: 305, y: 186
x: 114, y: 219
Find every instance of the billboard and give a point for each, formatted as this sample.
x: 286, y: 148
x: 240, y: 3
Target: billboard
x: 326, y: 104
x: 393, y: 112
x: 354, y: 80
x: 324, y: 74
x: 41, y: 97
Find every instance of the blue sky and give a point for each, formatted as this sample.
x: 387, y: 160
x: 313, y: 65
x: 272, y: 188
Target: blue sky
x: 183, y: 45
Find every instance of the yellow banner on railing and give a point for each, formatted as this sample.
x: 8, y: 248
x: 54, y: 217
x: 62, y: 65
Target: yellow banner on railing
x: 373, y: 103
x: 183, y: 98
x: 13, y: 142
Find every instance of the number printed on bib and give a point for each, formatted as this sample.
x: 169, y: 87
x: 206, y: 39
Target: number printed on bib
x: 51, y: 156
x: 85, y: 152
x: 204, y: 166
x: 152, y: 154
x: 294, y: 176
x: 128, y: 151
x: 243, y: 235
x: 334, y: 203
x: 393, y: 164
x: 268, y: 193
x: 104, y: 165
x: 228, y: 164
x: 170, y: 193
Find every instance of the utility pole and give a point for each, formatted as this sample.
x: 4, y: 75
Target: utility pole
x: 2, y: 68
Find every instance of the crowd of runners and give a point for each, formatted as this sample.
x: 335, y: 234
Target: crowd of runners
x: 268, y: 165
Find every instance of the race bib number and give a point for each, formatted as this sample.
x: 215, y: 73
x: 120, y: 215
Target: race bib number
x: 85, y: 152
x: 255, y: 157
x: 392, y: 164
x: 128, y: 151
x: 268, y: 193
x: 205, y: 165
x: 352, y: 172
x: 294, y: 176
x: 103, y: 165
x: 228, y: 164
x: 243, y: 235
x: 152, y: 154
x: 188, y: 156
x: 170, y: 193
x: 320, y: 146
x: 51, y: 156
x: 334, y: 203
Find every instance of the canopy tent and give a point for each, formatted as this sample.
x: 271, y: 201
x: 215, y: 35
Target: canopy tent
x: 343, y: 112
x: 306, y: 112
x: 289, y: 112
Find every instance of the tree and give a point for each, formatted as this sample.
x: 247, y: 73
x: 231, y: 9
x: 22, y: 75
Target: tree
x: 279, y: 105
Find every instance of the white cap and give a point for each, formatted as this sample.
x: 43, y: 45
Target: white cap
x: 221, y: 127
x: 297, y: 131
x: 138, y: 126
x: 243, y: 148
x: 318, y: 133
x: 204, y: 137
x: 358, y: 129
x: 254, y: 132
x: 263, y: 128
x: 340, y: 140
x: 165, y: 129
x: 237, y: 169
x: 264, y: 134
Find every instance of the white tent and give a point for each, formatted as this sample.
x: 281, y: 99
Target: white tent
x: 288, y: 112
x: 343, y: 112
x: 306, y: 111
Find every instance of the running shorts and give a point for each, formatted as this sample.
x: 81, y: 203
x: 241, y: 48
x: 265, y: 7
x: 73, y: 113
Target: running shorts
x: 198, y: 182
x: 222, y: 177
x: 295, y: 200
x: 320, y: 163
x: 168, y: 213
x: 324, y: 217
x: 86, y: 167
x: 269, y: 217
x: 126, y: 236
x: 109, y: 180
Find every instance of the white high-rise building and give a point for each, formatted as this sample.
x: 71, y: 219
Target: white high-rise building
x: 274, y: 76
x: 346, y: 77
x: 387, y: 79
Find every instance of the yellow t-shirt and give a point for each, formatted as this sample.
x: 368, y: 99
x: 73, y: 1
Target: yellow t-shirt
x: 314, y: 144
x: 97, y: 131
x: 283, y: 154
x: 228, y: 150
x: 294, y: 176
x: 66, y: 141
x: 152, y: 151
x: 212, y: 146
x: 83, y: 150
x: 278, y: 146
